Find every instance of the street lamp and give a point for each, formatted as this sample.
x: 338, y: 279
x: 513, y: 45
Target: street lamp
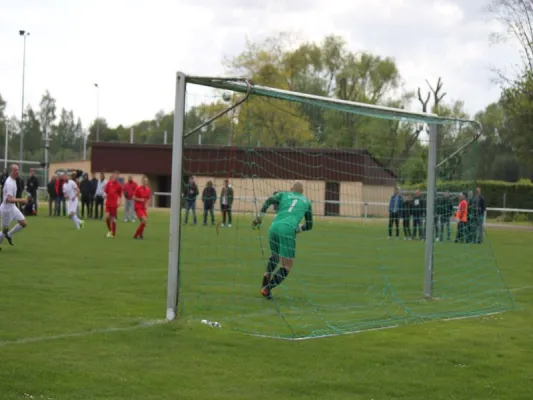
x: 24, y: 34
x: 97, y: 112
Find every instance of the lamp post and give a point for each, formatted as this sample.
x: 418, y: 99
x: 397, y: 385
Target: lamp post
x: 24, y: 35
x: 97, y: 112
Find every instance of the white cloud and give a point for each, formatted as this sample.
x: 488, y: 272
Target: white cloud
x: 133, y: 48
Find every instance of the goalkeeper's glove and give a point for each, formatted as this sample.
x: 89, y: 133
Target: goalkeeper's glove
x: 256, y: 223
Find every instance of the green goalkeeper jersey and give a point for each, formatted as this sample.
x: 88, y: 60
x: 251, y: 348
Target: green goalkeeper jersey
x: 291, y: 208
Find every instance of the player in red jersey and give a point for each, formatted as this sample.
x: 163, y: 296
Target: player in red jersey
x: 113, y: 193
x: 141, y: 197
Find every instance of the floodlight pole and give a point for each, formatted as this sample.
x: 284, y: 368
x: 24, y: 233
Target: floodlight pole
x: 24, y: 34
x: 175, y: 199
x: 430, y: 211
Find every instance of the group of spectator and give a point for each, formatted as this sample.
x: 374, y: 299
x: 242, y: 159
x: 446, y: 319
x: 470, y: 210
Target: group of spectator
x: 92, y: 196
x: 209, y: 199
x: 30, y: 186
x: 470, y: 216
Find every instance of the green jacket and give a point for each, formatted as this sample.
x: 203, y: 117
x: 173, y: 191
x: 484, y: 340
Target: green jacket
x: 228, y: 193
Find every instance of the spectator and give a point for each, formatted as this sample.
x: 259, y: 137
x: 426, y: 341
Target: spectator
x: 226, y: 202
x: 3, y: 178
x: 480, y: 210
x: 191, y: 193
x: 86, y: 191
x: 60, y: 199
x: 419, y: 213
x: 20, y: 190
x: 395, y: 208
x: 53, y: 208
x: 444, y: 212
x: 471, y: 224
x: 129, y: 189
x: 30, y: 208
x: 94, y: 186
x: 462, y: 218
x: 209, y: 197
x: 406, y: 217
x: 32, y: 185
x: 99, y: 197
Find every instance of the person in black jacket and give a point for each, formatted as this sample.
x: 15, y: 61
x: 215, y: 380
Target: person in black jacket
x: 418, y: 210
x: 86, y: 191
x: 94, y: 186
x: 479, y: 215
x: 32, y: 185
x: 444, y: 211
x: 20, y: 190
x: 190, y: 194
x: 406, y: 217
x: 53, y: 208
x: 209, y: 197
x: 3, y: 178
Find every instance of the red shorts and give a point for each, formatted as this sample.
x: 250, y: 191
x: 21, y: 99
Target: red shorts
x: 141, y: 213
x: 111, y: 210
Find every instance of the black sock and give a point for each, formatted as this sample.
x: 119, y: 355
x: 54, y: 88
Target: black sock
x: 272, y: 264
x: 278, y: 277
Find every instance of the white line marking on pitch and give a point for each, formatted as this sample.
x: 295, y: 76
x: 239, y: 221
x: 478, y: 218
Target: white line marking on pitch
x: 111, y: 329
x: 519, y: 289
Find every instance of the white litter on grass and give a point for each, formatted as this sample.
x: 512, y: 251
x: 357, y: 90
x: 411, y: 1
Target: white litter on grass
x: 213, y: 324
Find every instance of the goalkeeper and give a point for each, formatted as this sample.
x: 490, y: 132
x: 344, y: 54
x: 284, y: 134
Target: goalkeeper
x: 291, y: 208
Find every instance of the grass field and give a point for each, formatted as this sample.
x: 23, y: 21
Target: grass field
x: 79, y: 316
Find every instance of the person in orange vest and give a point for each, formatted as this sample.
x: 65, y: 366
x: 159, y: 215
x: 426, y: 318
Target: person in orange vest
x: 461, y: 215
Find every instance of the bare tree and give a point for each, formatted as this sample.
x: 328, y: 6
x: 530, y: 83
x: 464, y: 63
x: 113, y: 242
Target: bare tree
x: 516, y: 16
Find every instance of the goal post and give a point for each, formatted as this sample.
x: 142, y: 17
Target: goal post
x: 246, y: 90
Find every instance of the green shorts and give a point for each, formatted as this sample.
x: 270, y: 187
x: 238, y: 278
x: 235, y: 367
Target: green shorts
x: 282, y: 240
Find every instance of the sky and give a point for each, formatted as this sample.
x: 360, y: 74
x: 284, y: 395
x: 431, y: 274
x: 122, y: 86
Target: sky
x: 134, y: 48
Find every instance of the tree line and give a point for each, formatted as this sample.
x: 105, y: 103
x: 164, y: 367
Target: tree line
x: 329, y: 69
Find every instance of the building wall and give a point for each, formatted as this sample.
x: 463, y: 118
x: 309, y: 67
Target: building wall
x: 378, y: 194
x: 246, y: 190
x: 85, y: 166
x: 351, y: 198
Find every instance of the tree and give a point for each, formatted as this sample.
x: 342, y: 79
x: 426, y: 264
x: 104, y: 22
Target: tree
x: 328, y: 69
x: 47, y: 110
x: 32, y: 136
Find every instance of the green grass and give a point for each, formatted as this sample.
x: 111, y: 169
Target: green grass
x: 57, y: 282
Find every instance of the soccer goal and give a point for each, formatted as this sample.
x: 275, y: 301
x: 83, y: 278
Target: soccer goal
x: 369, y: 171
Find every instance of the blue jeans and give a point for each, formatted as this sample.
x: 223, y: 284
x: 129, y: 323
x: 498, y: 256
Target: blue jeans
x: 190, y: 205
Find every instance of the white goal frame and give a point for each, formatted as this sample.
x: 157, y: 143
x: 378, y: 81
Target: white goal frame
x: 241, y: 85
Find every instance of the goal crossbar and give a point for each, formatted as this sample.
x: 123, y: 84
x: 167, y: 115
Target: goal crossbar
x: 242, y: 85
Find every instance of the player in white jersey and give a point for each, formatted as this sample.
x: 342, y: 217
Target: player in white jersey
x: 9, y: 210
x: 71, y: 192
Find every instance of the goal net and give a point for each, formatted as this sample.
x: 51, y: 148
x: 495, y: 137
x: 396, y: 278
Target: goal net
x: 382, y: 250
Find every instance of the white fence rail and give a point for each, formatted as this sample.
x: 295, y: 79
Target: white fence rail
x: 365, y: 204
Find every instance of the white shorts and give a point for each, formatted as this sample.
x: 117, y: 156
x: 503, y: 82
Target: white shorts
x: 72, y: 206
x: 10, y: 215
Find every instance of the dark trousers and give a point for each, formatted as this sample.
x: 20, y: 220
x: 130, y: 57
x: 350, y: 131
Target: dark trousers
x: 34, y: 197
x: 52, y: 206
x: 86, y: 203
x: 418, y: 227
x: 394, y: 219
x: 461, y: 232
x: 209, y: 208
x: 406, y: 223
x: 98, y: 204
x: 60, y: 201
x: 226, y: 211
x: 444, y: 223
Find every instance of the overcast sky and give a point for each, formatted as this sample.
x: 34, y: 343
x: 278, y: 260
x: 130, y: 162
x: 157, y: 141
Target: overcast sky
x: 132, y: 48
